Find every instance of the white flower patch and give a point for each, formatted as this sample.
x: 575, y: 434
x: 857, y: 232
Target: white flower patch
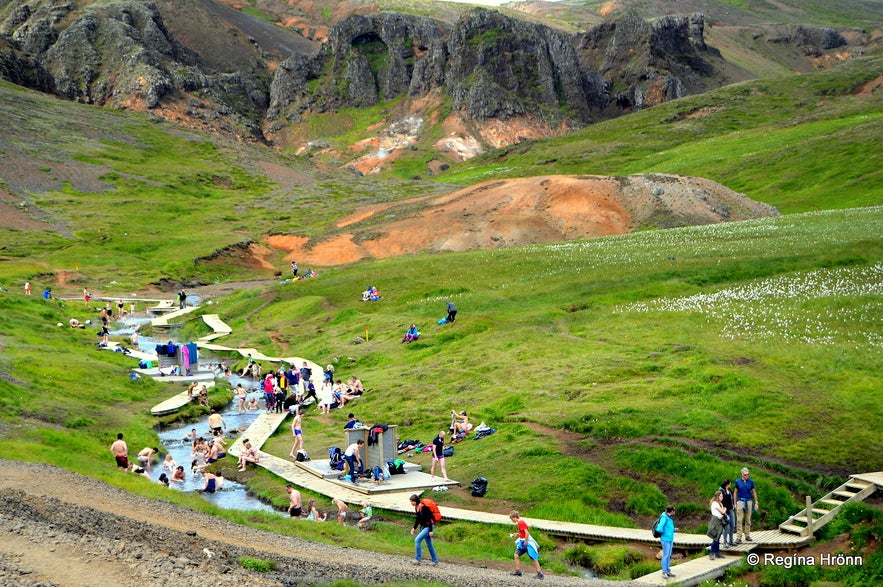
x: 783, y: 307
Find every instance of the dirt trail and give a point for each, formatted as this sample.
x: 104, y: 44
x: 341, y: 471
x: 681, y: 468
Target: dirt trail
x: 60, y: 528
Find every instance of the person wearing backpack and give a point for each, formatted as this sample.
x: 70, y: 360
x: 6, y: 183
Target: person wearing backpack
x: 425, y: 519
x: 666, y: 529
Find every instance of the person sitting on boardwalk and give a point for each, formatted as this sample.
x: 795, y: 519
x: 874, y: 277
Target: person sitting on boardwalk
x: 248, y: 454
x: 412, y: 334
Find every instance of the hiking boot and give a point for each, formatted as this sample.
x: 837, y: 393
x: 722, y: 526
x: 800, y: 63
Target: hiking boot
x: 517, y: 573
x: 414, y: 561
x: 435, y: 563
x: 748, y: 539
x: 540, y: 575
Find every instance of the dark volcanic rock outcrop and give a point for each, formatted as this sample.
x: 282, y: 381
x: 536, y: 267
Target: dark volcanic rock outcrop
x: 494, y: 66
x: 121, y: 54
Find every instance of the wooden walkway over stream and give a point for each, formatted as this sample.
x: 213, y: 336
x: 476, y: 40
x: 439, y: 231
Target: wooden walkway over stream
x: 393, y: 495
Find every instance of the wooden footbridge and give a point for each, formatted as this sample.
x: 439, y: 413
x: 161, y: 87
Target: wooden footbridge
x: 393, y: 495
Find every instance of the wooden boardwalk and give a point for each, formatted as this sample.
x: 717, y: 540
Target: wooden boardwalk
x: 393, y: 495
x: 163, y: 321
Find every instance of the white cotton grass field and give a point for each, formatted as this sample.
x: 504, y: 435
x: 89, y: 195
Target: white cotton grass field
x: 810, y: 306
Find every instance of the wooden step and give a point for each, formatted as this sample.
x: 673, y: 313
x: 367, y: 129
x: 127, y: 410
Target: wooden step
x: 794, y: 520
x: 820, y: 511
x: 856, y: 484
x: 833, y: 502
x: 846, y: 494
x: 792, y: 528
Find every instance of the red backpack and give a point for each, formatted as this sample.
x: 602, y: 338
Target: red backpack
x: 433, y: 508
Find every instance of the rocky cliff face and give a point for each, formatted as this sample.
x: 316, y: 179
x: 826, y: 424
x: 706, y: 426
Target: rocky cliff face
x: 486, y: 66
x: 118, y: 54
x: 493, y: 66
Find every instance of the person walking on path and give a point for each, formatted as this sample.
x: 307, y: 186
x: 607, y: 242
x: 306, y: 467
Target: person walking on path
x: 438, y: 456
x: 120, y: 452
x: 182, y: 298
x: 293, y: 269
x: 424, y: 520
x: 452, y: 312
x: 666, y: 527
x: 297, y: 433
x: 745, y: 498
x: 730, y: 517
x: 524, y: 544
x: 716, y: 525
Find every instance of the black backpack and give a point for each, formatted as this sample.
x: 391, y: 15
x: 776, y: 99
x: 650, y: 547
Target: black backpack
x: 335, y: 458
x: 479, y: 487
x: 656, y: 533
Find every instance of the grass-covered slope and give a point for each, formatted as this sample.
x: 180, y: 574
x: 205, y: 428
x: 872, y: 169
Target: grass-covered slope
x: 796, y: 142
x: 621, y: 373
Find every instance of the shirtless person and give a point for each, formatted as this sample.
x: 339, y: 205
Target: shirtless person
x: 341, y: 510
x: 241, y: 394
x: 217, y: 451
x: 215, y: 422
x: 145, y: 457
x: 120, y: 452
x: 295, y: 503
x: 298, y: 434
x: 248, y: 454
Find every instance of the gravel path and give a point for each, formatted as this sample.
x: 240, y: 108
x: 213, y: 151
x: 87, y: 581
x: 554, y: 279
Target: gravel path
x: 60, y: 528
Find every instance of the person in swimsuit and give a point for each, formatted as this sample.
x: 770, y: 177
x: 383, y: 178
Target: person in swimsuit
x: 341, y: 510
x: 211, y: 483
x: 178, y: 475
x: 313, y: 514
x: 248, y: 455
x: 216, y: 422
x: 295, y: 504
x: 120, y: 452
x: 216, y: 451
x: 297, y: 432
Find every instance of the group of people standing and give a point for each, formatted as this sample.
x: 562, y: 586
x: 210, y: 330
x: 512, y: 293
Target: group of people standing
x: 731, y: 512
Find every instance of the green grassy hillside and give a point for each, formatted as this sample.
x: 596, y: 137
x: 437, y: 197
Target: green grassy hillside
x: 797, y: 142
x: 621, y: 373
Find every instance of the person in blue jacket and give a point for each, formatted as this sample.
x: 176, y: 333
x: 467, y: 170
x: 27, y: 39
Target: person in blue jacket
x: 666, y: 527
